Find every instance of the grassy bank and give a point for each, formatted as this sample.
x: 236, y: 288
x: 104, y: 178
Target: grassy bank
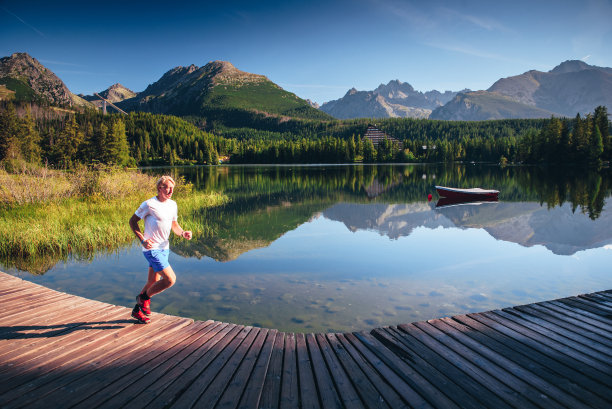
x: 47, y: 216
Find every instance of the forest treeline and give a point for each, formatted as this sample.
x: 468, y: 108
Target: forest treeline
x: 66, y: 140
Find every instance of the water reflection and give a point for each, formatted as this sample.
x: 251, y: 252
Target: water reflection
x: 341, y: 248
x: 269, y: 201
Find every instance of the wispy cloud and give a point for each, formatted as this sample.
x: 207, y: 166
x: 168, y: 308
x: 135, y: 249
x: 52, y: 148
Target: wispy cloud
x: 53, y: 62
x: 427, y: 17
x: 586, y: 57
x: 37, y: 31
x: 470, y: 51
x: 487, y: 23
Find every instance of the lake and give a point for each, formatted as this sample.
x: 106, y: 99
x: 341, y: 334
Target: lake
x: 345, y: 248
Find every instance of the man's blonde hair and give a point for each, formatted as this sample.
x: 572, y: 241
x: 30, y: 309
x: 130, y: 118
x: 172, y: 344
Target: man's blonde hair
x: 165, y: 179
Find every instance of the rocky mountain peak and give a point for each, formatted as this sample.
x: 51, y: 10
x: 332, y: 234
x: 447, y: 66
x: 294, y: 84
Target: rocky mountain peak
x: 570, y: 66
x: 118, y: 92
x: 44, y: 83
x: 224, y: 72
x: 395, y: 89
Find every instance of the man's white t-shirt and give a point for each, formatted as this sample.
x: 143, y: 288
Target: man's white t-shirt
x: 158, y: 217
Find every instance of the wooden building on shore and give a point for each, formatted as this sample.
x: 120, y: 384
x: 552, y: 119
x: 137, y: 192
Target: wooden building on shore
x: 376, y: 136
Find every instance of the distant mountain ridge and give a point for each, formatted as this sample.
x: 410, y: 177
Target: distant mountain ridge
x: 483, y: 105
x: 222, y: 94
x: 396, y: 99
x: 570, y: 88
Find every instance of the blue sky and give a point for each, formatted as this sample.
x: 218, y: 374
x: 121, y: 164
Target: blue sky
x: 316, y: 49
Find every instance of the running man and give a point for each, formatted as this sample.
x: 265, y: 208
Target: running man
x: 160, y: 216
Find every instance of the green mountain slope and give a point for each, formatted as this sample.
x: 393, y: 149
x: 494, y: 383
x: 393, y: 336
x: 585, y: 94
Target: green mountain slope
x: 216, y: 89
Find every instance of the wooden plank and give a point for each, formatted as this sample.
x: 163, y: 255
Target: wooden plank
x: 550, y: 357
x: 43, y: 325
x: 598, y: 298
x: 251, y: 397
x: 540, y: 365
x: 579, y: 304
x: 325, y: 384
x: 34, y: 343
x: 165, y: 397
x: 26, y: 362
x: 235, y: 389
x: 569, y: 347
x: 289, y: 394
x: 309, y: 398
x: 79, y: 386
x: 368, y: 394
x: 430, y: 395
x: 546, y: 390
x: 214, y: 388
x: 395, y: 380
x: 92, y: 391
x: 67, y: 367
x: 205, y: 379
x: 45, y: 314
x: 593, y: 303
x: 476, y: 368
x: 343, y: 383
x: 607, y: 294
x: 11, y: 293
x: 270, y: 394
x: 584, y: 316
x: 171, y: 378
x: 548, y: 347
x: 600, y: 321
x: 437, y: 370
x: 28, y: 309
x: 385, y: 395
x: 563, y: 328
x: 595, y: 333
x: 23, y: 339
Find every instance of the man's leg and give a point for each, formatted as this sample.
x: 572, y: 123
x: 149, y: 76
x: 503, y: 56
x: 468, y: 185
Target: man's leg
x: 151, y: 279
x: 168, y: 278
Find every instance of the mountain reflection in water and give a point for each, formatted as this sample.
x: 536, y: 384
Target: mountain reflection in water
x: 343, y: 248
x: 559, y: 229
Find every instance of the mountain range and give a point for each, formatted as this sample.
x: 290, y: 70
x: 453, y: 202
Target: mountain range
x: 396, y: 99
x: 221, y: 93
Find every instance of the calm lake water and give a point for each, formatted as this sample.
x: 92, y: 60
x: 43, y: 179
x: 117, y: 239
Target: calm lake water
x: 343, y: 248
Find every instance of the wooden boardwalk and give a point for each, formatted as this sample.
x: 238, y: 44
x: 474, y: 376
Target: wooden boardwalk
x: 62, y: 351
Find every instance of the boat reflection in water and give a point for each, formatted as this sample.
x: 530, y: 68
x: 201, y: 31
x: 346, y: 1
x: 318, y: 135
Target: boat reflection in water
x: 449, y: 201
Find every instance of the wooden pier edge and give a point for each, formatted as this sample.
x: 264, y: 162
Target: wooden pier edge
x: 60, y: 350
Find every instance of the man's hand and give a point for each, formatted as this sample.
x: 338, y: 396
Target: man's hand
x: 187, y: 234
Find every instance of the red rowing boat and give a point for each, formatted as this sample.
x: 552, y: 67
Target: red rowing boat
x: 467, y: 194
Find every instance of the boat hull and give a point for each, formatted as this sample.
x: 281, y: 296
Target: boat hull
x: 449, y: 202
x: 467, y: 194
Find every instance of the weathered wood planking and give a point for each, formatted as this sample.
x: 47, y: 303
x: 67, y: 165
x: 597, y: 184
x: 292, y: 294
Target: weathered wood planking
x: 60, y: 350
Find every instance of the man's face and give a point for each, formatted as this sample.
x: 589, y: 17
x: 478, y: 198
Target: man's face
x: 164, y: 191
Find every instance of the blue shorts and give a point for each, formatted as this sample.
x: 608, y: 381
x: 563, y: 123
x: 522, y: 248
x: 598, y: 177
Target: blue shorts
x: 158, y: 259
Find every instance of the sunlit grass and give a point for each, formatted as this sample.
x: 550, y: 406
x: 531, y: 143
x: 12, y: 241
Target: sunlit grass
x: 58, y: 215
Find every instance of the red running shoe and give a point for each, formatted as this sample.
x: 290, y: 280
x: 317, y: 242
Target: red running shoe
x: 145, y: 305
x: 139, y: 316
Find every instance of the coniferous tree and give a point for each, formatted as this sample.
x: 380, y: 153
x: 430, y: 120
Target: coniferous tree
x: 28, y: 138
x: 8, y: 126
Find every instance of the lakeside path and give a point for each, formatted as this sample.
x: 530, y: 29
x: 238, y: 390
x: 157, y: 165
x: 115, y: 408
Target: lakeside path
x: 62, y: 351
